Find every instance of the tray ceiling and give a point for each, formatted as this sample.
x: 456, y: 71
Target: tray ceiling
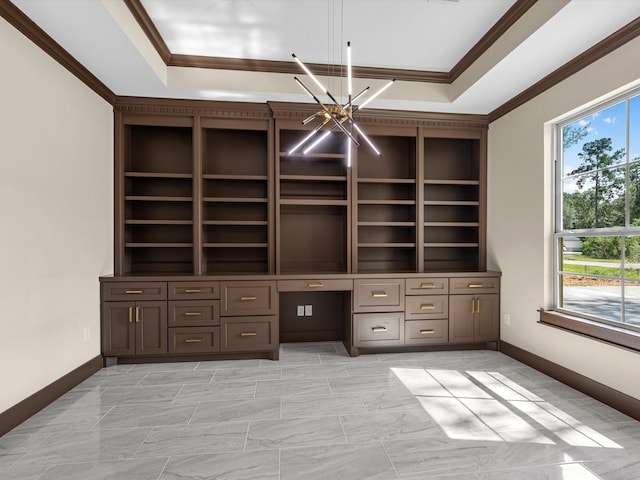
x: 426, y: 44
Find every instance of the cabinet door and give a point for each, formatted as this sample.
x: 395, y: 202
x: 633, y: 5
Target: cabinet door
x: 118, y: 328
x: 151, y: 328
x: 461, y: 318
x: 487, y: 318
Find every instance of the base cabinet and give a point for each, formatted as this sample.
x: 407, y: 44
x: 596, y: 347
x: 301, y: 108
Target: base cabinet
x: 474, y: 318
x: 134, y: 328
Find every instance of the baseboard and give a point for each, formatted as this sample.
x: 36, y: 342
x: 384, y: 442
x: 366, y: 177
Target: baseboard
x: 17, y: 414
x: 607, y: 395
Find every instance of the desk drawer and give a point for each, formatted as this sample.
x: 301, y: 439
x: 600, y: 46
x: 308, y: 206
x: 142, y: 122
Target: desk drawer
x: 249, y: 333
x: 425, y: 332
x: 427, y: 286
x: 315, y: 285
x: 194, y: 339
x: 248, y: 298
x: 378, y: 329
x: 378, y: 295
x: 426, y: 307
x: 194, y: 290
x: 194, y: 313
x: 134, y: 291
x: 474, y: 285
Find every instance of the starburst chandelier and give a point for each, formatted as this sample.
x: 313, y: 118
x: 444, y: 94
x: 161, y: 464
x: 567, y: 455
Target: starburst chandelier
x: 336, y: 115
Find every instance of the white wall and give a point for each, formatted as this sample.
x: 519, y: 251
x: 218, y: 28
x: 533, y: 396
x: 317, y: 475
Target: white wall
x: 520, y: 221
x: 56, y: 217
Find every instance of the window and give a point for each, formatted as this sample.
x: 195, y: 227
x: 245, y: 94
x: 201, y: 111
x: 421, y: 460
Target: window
x: 597, y: 239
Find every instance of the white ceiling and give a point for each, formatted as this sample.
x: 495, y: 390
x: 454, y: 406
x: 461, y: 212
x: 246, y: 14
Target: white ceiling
x: 427, y: 35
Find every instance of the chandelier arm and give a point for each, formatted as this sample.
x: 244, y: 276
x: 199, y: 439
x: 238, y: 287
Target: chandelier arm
x: 309, y: 136
x: 373, y: 147
x: 376, y: 94
x: 310, y: 118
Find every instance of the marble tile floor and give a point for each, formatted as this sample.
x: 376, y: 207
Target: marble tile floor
x: 318, y: 414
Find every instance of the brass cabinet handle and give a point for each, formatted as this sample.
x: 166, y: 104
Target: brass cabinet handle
x: 138, y: 316
x: 130, y: 292
x: 315, y: 285
x: 193, y: 340
x: 247, y: 299
x: 192, y: 290
x: 379, y: 294
x: 427, y: 332
x: 130, y: 314
x: 248, y: 334
x: 427, y: 285
x: 429, y: 306
x: 478, y: 305
x: 192, y: 314
x: 474, y: 285
x: 473, y: 305
x: 379, y: 329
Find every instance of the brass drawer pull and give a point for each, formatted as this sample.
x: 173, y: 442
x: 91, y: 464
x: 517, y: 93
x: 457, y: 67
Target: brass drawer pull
x: 427, y: 332
x: 138, y: 316
x: 130, y: 292
x: 248, y: 299
x: 379, y: 329
x: 192, y: 314
x: 427, y: 285
x: 193, y: 290
x: 429, y: 306
x: 379, y: 294
x: 248, y: 334
x: 193, y: 340
x: 315, y: 285
x: 474, y: 285
x: 131, y: 314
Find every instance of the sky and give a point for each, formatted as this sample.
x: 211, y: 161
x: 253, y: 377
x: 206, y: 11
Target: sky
x: 611, y: 123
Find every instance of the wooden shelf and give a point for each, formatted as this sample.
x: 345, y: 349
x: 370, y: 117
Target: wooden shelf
x: 158, y: 245
x: 386, y: 202
x: 432, y: 181
x: 157, y: 175
x: 314, y: 178
x: 158, y: 222
x: 302, y: 201
x: 312, y: 155
x: 210, y: 176
x: 451, y: 224
x: 236, y: 245
x: 450, y: 245
x: 386, y: 245
x: 236, y: 222
x: 407, y: 181
x: 452, y: 202
x: 235, y: 200
x: 386, y: 224
x: 157, y: 198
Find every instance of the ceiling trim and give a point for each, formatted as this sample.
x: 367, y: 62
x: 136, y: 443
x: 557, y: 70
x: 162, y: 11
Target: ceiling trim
x: 586, y: 58
x: 178, y: 60
x: 512, y: 15
x: 33, y: 32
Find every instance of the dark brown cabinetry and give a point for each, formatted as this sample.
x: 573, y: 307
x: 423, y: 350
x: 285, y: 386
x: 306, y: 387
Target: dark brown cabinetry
x: 134, y: 328
x: 220, y: 223
x: 474, y: 309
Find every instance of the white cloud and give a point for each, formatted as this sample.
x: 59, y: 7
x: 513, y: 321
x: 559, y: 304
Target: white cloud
x: 583, y: 123
x: 609, y: 120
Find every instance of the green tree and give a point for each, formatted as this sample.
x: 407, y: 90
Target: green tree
x: 596, y: 158
x: 572, y: 134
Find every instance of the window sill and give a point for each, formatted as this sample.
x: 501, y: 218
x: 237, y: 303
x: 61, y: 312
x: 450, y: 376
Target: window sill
x: 616, y: 336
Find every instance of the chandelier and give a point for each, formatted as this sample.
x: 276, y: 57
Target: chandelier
x: 335, y: 114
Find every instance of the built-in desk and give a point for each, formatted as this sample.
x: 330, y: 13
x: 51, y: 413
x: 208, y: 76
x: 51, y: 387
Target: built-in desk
x: 153, y: 318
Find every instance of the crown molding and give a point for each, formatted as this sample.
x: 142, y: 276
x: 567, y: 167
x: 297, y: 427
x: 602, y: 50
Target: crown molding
x: 33, y: 32
x: 599, y: 50
x: 273, y: 66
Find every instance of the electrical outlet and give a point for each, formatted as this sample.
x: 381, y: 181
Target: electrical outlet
x: 87, y: 333
x: 301, y: 310
x: 507, y: 319
x: 308, y: 310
